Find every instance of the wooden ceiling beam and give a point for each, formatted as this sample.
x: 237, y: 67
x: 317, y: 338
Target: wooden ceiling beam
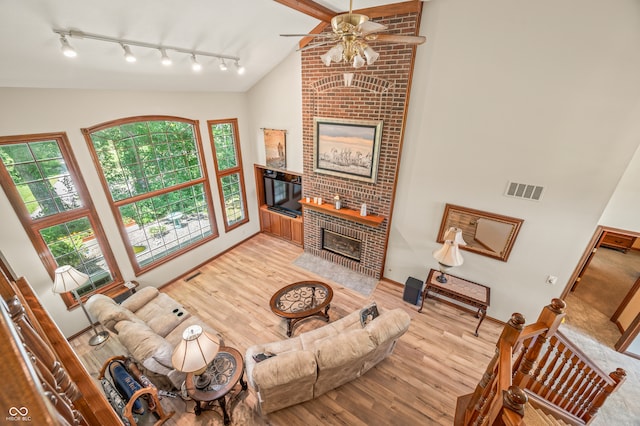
x: 311, y: 8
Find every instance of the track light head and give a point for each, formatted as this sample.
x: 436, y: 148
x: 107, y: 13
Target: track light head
x: 128, y: 56
x: 164, y: 58
x: 195, y: 65
x: 67, y: 50
x: 239, y: 68
x: 223, y: 65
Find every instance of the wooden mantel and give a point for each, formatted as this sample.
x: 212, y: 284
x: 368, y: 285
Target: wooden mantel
x: 344, y: 213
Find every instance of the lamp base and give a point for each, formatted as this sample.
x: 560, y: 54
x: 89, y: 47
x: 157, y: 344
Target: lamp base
x: 99, y: 338
x: 441, y: 278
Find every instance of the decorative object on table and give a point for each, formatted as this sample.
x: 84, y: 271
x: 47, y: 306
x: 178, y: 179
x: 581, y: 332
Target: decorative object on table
x: 488, y: 234
x: 275, y: 147
x: 194, y: 352
x: 337, y: 201
x: 347, y: 148
x: 351, y: 32
x: 363, y: 209
x: 69, y: 279
x: 447, y: 256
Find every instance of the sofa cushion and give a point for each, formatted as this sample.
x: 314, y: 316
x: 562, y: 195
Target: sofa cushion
x: 140, y: 298
x: 143, y: 344
x: 162, y: 314
x: 108, y: 312
x: 285, y: 368
x: 343, y: 348
x: 388, y: 326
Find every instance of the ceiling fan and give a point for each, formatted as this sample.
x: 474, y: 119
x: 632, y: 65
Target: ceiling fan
x: 351, y: 32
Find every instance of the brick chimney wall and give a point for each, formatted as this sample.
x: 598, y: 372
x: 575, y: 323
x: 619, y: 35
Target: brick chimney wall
x: 378, y: 92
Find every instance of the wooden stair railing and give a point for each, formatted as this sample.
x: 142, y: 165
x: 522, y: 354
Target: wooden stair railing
x: 45, y: 382
x: 537, y: 364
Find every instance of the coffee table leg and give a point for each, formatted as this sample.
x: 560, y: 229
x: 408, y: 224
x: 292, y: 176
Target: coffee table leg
x: 242, y: 382
x: 326, y: 312
x: 197, y: 410
x: 289, y: 327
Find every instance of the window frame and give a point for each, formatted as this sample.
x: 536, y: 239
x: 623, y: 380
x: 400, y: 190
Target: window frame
x: 230, y: 171
x: 34, y: 226
x: 115, y: 205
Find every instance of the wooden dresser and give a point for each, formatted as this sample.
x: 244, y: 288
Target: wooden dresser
x: 617, y: 241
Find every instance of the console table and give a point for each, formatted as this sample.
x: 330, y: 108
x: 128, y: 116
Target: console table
x: 468, y: 292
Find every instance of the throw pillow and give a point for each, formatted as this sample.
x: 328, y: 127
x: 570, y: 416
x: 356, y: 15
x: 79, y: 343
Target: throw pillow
x: 368, y: 313
x: 262, y: 356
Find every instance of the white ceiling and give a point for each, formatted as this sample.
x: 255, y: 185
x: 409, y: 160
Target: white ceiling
x: 31, y: 57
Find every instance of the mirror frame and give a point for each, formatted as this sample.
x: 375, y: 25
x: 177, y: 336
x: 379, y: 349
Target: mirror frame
x: 515, y: 222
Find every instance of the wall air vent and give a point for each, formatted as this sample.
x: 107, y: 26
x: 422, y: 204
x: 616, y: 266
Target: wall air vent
x: 523, y: 190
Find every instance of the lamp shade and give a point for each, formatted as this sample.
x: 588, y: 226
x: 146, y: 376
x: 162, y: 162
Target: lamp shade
x: 67, y: 278
x: 455, y: 234
x: 195, y: 351
x: 448, y: 254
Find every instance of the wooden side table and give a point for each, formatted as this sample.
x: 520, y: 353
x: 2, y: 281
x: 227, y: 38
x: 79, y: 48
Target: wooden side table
x: 224, y: 373
x: 465, y: 291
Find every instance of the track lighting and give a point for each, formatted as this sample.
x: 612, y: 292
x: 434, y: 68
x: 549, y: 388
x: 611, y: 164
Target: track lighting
x: 128, y: 56
x: 239, y: 68
x: 164, y: 58
x: 69, y: 51
x: 195, y: 65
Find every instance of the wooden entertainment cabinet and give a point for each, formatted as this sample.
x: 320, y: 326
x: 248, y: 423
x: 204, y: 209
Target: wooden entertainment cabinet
x: 272, y: 222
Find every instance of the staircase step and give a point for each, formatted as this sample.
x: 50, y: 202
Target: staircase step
x: 536, y: 417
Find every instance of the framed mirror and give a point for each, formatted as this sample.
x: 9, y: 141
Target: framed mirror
x: 485, y: 233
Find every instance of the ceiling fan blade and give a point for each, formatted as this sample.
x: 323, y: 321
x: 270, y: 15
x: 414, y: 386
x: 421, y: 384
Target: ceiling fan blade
x: 303, y: 35
x: 393, y: 38
x: 369, y: 27
x: 314, y: 45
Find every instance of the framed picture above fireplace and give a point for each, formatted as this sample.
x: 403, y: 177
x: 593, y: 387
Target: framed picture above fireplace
x: 347, y: 148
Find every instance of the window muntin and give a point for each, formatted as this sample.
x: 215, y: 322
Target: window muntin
x: 228, y: 162
x: 40, y: 177
x: 153, y: 169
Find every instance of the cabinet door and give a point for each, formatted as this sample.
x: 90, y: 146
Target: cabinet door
x: 297, y: 232
x: 276, y: 226
x: 285, y: 227
x: 265, y: 220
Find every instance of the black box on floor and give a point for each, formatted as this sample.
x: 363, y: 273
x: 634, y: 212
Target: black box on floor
x: 412, y: 290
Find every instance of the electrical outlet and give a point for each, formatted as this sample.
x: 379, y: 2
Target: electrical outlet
x: 551, y: 280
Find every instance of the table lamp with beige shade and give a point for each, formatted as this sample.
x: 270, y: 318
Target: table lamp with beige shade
x: 449, y: 255
x: 194, y: 353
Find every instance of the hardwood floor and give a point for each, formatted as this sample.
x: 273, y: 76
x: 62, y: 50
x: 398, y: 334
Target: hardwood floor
x: 437, y: 360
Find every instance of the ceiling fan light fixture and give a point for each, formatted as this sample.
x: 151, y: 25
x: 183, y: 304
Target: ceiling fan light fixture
x: 195, y: 65
x: 239, y: 68
x: 223, y: 65
x: 326, y: 58
x: 164, y: 58
x: 67, y: 49
x: 128, y: 56
x: 358, y: 61
x: 371, y: 55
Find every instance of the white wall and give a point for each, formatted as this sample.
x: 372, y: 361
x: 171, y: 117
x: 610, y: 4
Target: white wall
x: 623, y: 211
x: 276, y: 103
x: 542, y: 92
x: 27, y: 111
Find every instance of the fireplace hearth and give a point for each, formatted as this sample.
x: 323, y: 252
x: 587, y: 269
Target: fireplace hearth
x: 341, y: 244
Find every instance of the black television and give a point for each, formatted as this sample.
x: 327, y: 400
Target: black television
x: 284, y: 194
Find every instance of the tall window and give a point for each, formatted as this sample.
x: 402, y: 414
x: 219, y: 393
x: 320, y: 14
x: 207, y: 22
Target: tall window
x: 228, y: 161
x: 41, y: 179
x: 153, y: 169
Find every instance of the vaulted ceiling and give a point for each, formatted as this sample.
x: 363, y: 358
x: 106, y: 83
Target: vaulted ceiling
x: 248, y: 29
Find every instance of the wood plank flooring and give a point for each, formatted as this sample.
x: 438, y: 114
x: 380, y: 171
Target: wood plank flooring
x: 437, y: 360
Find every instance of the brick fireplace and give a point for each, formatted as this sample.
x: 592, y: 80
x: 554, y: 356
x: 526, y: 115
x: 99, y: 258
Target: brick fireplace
x: 377, y: 92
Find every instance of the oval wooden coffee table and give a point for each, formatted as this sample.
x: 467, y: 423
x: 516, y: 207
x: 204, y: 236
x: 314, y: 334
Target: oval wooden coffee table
x: 302, y: 300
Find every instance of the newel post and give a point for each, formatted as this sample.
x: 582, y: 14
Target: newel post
x: 618, y: 376
x: 551, y: 317
x: 481, y: 394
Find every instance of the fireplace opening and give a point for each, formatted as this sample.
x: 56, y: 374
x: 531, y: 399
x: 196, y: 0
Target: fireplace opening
x: 341, y: 244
